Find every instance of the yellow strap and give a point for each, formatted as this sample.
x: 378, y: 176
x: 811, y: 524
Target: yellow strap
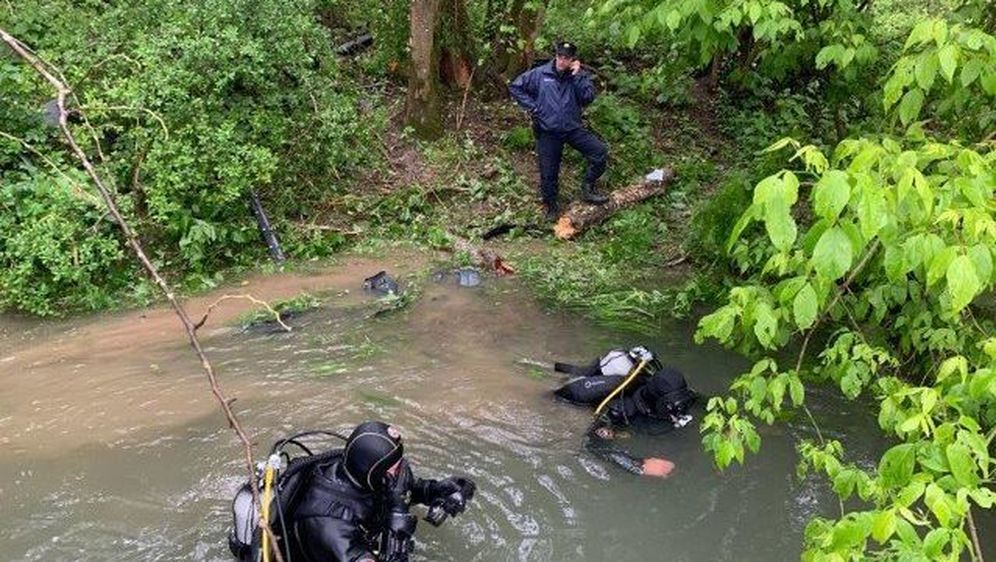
x: 622, y: 386
x: 267, y: 492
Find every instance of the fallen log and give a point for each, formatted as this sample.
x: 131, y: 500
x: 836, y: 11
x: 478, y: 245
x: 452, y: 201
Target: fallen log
x: 580, y: 216
x: 482, y: 257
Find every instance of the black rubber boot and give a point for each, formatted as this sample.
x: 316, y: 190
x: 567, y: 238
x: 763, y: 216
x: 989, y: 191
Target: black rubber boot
x: 589, y: 195
x: 551, y: 211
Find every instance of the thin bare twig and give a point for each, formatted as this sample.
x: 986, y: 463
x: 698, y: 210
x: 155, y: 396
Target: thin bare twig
x: 63, y: 91
x: 975, y: 536
x: 250, y: 298
x: 463, y: 104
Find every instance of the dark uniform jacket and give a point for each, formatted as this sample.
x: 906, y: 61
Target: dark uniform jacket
x: 554, y: 99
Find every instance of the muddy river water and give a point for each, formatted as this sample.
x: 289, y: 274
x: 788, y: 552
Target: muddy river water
x: 111, y: 447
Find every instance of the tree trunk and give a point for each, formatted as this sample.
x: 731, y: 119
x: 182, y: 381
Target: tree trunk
x: 581, y: 216
x: 423, y: 108
x: 512, y: 55
x: 456, y: 44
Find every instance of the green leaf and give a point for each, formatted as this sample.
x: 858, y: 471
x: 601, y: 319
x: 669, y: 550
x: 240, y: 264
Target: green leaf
x: 963, y: 283
x: 805, y: 307
x: 758, y: 388
x: 779, y: 224
x: 831, y: 194
x: 938, y: 502
x: 796, y: 391
x: 926, y: 70
x: 827, y: 55
x: 940, y: 32
x: 939, y: 264
x: 633, y: 35
x: 984, y: 497
x: 909, y: 108
x: 884, y: 526
x: 673, y: 20
x: 970, y: 71
x: 872, y: 214
x: 765, y: 325
x: 948, y: 56
x: 982, y: 259
x: 934, y: 543
x: 718, y: 325
x: 962, y: 465
x: 989, y: 83
x: 910, y: 423
x: 896, y: 466
x: 724, y: 454
x: 849, y: 533
x: 776, y: 387
x: 922, y: 32
x: 742, y: 223
x: 832, y: 255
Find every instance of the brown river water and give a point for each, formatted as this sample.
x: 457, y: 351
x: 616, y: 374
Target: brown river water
x: 112, y: 447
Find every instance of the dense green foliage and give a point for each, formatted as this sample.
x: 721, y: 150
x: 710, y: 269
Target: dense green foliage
x: 191, y: 106
x: 882, y: 251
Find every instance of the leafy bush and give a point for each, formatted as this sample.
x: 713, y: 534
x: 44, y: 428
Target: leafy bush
x: 888, y: 270
x: 192, y: 106
x: 58, y: 250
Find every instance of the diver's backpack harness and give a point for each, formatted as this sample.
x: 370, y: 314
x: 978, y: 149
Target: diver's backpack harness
x: 281, y: 491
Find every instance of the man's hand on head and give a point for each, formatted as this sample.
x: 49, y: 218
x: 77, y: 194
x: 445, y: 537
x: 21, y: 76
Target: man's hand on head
x: 575, y: 67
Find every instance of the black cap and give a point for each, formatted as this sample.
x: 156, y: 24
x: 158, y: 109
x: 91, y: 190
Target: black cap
x: 566, y: 49
x: 371, y: 450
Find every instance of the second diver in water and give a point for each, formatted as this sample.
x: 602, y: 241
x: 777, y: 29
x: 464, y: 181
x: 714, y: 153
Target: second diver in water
x: 629, y: 389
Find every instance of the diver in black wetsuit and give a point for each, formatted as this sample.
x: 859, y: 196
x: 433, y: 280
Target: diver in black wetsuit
x: 353, y: 503
x: 656, y: 399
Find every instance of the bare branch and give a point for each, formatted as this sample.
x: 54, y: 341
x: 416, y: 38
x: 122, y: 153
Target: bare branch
x: 254, y: 300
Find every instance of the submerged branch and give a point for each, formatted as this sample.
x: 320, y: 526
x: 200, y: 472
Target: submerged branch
x: 250, y: 298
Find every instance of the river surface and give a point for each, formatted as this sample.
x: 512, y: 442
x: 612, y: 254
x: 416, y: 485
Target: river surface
x: 112, y: 447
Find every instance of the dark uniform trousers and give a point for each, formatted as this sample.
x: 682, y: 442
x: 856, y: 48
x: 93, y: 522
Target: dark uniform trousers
x: 550, y: 150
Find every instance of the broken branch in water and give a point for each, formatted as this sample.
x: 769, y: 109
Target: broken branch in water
x: 482, y: 256
x: 49, y: 73
x: 250, y: 298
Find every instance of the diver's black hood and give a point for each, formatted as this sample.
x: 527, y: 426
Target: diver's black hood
x: 371, y: 450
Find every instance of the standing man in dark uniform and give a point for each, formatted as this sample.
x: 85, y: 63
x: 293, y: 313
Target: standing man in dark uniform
x: 554, y: 94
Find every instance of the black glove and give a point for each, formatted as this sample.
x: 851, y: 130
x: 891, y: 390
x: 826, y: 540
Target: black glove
x: 449, y: 497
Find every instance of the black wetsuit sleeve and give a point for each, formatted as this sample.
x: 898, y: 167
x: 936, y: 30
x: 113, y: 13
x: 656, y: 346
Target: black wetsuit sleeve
x: 607, y: 450
x: 424, y: 491
x: 333, y: 539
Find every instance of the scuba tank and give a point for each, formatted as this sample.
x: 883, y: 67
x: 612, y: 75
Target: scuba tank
x: 597, y: 380
x: 290, y: 477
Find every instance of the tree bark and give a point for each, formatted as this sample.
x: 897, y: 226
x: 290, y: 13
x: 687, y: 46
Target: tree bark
x: 581, y: 216
x: 512, y: 55
x: 423, y: 108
